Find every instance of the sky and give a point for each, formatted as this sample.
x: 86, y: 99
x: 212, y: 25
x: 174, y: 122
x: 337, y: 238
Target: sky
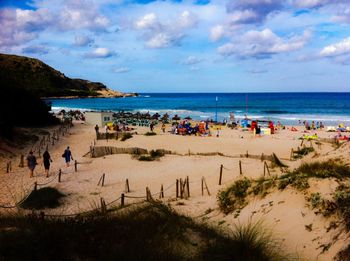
x: 187, y: 45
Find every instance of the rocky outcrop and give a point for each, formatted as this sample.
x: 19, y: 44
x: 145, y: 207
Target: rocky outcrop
x: 40, y: 79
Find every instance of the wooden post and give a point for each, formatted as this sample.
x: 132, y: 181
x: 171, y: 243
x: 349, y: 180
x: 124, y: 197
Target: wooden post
x: 35, y: 186
x: 75, y: 165
x: 161, y: 194
x: 247, y: 155
x: 181, y: 189
x: 127, y: 188
x: 59, y: 175
x: 189, y: 152
x: 267, y: 168
x: 122, y: 200
x: 205, y: 184
x: 177, y: 188
x: 8, y: 167
x: 188, y: 186
x: 291, y: 154
x: 262, y: 157
x: 103, y: 179
x: 103, y: 206
x: 240, y: 168
x: 21, y: 162
x: 148, y: 194
x: 220, y: 178
x: 202, y: 185
x: 302, y: 142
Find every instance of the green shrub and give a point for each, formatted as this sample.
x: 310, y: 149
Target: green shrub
x: 125, y: 136
x: 146, y: 158
x: 233, y: 197
x: 150, y: 133
x: 42, y: 198
x: 157, y: 153
x: 247, y: 242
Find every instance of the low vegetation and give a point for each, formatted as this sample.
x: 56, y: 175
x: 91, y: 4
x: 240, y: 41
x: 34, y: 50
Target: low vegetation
x: 234, y: 197
x: 148, y: 232
x: 150, y: 133
x: 42, y: 198
x: 126, y: 136
x: 153, y: 155
x: 298, y: 154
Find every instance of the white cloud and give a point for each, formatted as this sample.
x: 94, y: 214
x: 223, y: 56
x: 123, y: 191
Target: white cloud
x: 340, y: 48
x: 148, y: 21
x: 263, y: 44
x: 100, y: 52
x: 121, y: 70
x: 162, y: 34
x: 82, y: 40
x: 191, y: 60
x: 343, y: 16
x: 216, y: 33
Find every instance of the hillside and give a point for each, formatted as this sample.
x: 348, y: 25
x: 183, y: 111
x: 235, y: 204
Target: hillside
x: 24, y: 73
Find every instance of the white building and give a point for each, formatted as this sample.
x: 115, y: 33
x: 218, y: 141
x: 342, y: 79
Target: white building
x: 100, y: 118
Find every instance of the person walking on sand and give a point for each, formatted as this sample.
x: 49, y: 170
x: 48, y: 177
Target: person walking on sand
x: 31, y: 163
x: 47, y: 160
x: 67, y: 155
x: 163, y: 128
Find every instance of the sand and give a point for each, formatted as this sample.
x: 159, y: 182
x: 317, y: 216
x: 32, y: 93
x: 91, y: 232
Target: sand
x: 285, y: 212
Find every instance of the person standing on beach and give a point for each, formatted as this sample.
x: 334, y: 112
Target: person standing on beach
x: 67, y: 155
x: 31, y: 163
x: 151, y: 126
x: 47, y: 160
x: 163, y: 128
x: 97, y: 130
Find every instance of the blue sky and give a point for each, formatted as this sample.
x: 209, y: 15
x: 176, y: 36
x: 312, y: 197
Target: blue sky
x: 186, y: 46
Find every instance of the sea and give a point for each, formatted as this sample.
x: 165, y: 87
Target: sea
x: 288, y: 108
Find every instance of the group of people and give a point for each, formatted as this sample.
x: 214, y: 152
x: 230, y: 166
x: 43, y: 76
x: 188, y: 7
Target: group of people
x: 185, y: 128
x: 313, y: 125
x: 32, y: 161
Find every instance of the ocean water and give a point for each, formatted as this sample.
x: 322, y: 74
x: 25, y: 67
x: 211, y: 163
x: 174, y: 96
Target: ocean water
x: 288, y: 108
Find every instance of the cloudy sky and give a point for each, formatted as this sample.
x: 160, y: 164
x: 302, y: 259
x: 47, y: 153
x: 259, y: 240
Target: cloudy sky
x: 186, y: 46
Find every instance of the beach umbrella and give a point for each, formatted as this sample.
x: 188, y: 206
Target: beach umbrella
x: 188, y: 118
x: 155, y: 116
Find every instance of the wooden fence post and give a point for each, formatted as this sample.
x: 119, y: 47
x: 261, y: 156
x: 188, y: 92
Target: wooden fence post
x: 8, y: 167
x: 161, y: 194
x: 127, y: 188
x: 122, y: 200
x: 247, y: 155
x: 103, y: 206
x: 103, y: 179
x: 202, y: 185
x: 267, y: 168
x: 262, y: 157
x: 220, y: 174
x: 59, y: 175
x: 291, y: 154
x: 21, y: 162
x: 240, y: 168
x: 177, y: 188
x: 188, y: 186
x: 76, y: 165
x: 181, y: 188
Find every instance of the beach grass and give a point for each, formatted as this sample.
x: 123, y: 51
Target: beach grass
x: 150, y: 133
x: 147, y: 232
x: 42, y: 198
x: 126, y: 136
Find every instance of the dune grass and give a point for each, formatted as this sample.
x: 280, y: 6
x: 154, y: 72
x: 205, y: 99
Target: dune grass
x: 42, y: 198
x: 150, y: 133
x: 126, y: 136
x: 147, y: 232
x: 153, y: 155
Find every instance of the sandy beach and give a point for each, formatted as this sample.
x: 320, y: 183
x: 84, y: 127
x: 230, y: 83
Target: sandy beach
x: 285, y: 212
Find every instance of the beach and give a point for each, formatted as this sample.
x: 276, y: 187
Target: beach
x: 285, y: 212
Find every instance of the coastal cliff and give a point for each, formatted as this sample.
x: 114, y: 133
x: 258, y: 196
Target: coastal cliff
x: 36, y: 77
